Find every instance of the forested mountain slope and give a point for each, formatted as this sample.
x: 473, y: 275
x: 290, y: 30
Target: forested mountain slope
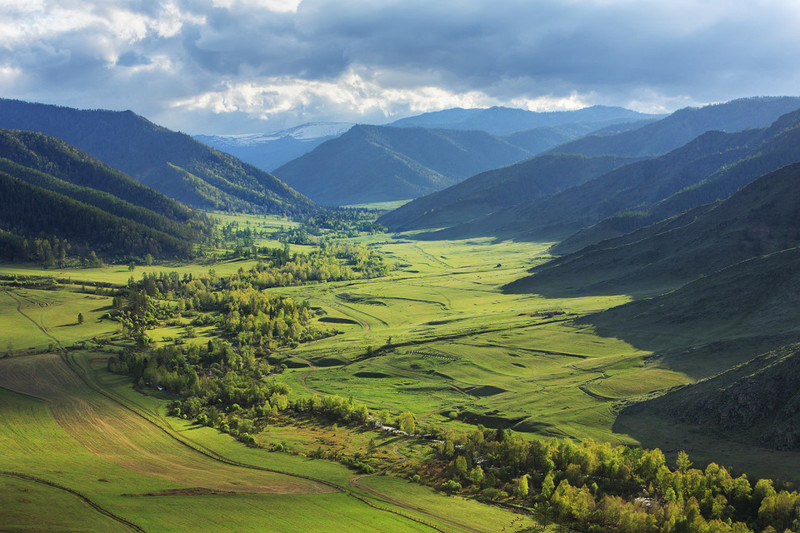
x: 378, y: 163
x: 170, y: 162
x: 52, y: 191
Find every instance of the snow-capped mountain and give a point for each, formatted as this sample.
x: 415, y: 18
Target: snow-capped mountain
x: 268, y: 151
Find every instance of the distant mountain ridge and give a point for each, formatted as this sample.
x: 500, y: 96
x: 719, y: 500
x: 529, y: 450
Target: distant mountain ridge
x: 504, y: 121
x: 269, y: 151
x: 682, y: 174
x: 684, y: 125
x: 378, y: 163
x: 170, y: 162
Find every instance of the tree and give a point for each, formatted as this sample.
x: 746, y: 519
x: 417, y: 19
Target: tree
x: 451, y: 486
x: 548, y: 486
x: 476, y: 475
x: 406, y: 422
x: 131, y: 266
x: 521, y: 489
x: 683, y: 463
x: 460, y: 467
x: 80, y: 318
x: 94, y: 261
x: 148, y: 260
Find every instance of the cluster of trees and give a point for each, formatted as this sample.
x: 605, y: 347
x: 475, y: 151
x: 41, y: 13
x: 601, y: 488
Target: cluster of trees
x: 247, y: 317
x: 601, y: 487
x: 334, y: 408
x: 220, y: 385
x: 332, y: 223
x: 49, y: 252
x: 331, y: 262
x: 228, y: 388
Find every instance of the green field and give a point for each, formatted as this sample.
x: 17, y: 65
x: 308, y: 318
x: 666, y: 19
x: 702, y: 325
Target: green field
x: 437, y: 337
x: 120, y: 455
x: 459, y: 344
x: 38, y: 319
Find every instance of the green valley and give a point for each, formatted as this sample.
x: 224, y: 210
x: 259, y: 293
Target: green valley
x: 623, y: 359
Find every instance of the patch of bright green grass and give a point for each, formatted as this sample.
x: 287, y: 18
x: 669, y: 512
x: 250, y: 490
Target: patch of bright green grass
x: 36, y: 319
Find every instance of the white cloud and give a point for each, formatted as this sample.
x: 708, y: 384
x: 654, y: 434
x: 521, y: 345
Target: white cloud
x: 279, y: 6
x: 351, y: 95
x: 218, y: 61
x: 551, y: 103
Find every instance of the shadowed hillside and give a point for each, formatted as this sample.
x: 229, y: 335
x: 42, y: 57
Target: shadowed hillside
x: 761, y: 218
x: 496, y: 189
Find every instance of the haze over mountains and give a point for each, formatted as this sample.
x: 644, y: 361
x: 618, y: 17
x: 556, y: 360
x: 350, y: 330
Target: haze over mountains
x: 420, y: 155
x: 268, y: 151
x: 631, y: 187
x: 504, y: 121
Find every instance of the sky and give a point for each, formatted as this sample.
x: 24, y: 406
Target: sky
x: 240, y: 66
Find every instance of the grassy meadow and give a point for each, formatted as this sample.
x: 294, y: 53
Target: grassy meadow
x: 436, y: 337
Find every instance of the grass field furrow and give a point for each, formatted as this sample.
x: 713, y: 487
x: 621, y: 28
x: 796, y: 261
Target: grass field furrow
x: 94, y: 505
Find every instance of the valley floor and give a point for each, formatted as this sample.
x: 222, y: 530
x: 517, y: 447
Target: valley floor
x: 437, y: 337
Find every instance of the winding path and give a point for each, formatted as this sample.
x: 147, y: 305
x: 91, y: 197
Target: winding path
x: 20, y: 311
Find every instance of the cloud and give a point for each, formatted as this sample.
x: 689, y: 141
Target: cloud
x: 353, y: 91
x: 191, y: 63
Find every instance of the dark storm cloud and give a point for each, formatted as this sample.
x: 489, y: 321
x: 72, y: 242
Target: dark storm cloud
x: 348, y: 59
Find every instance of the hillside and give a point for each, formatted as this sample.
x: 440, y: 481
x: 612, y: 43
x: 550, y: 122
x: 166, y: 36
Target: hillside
x: 496, y: 189
x: 712, y: 166
x: 761, y: 218
x: 753, y: 403
x: 51, y: 190
x: 377, y: 163
x: 170, y: 162
x: 715, y: 328
x: 504, y: 121
x: 779, y: 146
x: 684, y: 125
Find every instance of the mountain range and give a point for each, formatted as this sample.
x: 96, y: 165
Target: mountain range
x: 378, y: 163
x: 269, y: 151
x: 50, y: 190
x: 170, y: 162
x: 420, y: 155
x: 683, y: 178
x: 759, y: 219
x: 504, y: 121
